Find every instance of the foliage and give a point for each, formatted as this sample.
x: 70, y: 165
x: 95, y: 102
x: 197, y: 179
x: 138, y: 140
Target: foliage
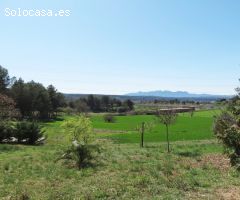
x: 28, y: 132
x: 57, y: 99
x: 4, y: 79
x: 79, y: 129
x: 122, y: 109
x: 129, y: 104
x: 81, y: 106
x: 32, y: 99
x: 7, y: 130
x: 35, y: 101
x: 166, y: 117
x: 101, y: 104
x: 81, y: 154
x: 82, y: 135
x: 227, y: 130
x: 23, y: 132
x: 110, y: 118
x: 7, y: 108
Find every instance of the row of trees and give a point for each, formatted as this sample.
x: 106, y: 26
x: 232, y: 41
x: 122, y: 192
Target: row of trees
x: 101, y: 104
x: 31, y: 99
x: 35, y: 101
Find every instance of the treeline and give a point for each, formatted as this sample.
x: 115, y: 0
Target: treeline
x: 31, y: 99
x: 101, y: 104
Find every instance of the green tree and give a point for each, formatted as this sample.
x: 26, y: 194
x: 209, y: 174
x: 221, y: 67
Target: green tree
x: 80, y: 132
x: 79, y: 129
x: 227, y: 129
x: 129, y: 104
x: 57, y: 99
x: 32, y: 99
x: 94, y: 103
x: 22, y: 97
x: 4, y: 79
x: 105, y: 103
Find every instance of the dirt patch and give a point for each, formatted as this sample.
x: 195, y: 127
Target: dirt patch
x: 218, y: 161
x: 232, y: 193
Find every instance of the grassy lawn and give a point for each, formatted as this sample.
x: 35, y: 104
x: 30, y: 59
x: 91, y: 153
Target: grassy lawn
x: 198, y: 127
x: 194, y: 170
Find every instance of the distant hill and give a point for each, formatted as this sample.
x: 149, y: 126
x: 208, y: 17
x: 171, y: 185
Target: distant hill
x: 177, y: 94
x: 156, y: 95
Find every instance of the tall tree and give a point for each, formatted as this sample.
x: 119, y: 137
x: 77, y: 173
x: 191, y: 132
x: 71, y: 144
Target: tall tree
x: 129, y: 104
x: 22, y: 97
x: 105, y: 103
x: 4, y: 79
x: 56, y: 99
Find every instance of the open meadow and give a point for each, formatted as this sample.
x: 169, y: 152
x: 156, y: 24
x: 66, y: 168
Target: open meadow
x: 197, y: 127
x: 195, y: 169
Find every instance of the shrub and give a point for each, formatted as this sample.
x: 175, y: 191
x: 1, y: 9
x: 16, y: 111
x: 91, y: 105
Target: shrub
x: 109, y: 118
x: 82, y: 135
x: 29, y: 132
x: 79, y: 129
x: 6, y: 130
x: 227, y: 130
x: 81, y: 154
x: 122, y: 109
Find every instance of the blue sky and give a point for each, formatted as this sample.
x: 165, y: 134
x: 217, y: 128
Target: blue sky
x: 121, y: 46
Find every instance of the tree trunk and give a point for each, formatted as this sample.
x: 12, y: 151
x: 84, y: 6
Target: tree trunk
x: 142, y: 134
x: 168, y: 145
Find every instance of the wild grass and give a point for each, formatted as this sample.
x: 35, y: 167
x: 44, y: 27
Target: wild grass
x: 121, y: 171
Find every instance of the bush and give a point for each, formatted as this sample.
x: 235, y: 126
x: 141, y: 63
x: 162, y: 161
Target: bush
x: 6, y: 130
x: 81, y: 154
x: 20, y: 132
x: 82, y: 135
x: 29, y: 132
x: 227, y: 130
x: 109, y: 118
x: 122, y: 109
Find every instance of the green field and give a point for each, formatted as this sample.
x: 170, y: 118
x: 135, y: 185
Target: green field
x: 198, y: 127
x: 195, y: 169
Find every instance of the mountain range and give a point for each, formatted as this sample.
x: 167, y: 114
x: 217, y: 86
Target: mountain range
x: 177, y: 94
